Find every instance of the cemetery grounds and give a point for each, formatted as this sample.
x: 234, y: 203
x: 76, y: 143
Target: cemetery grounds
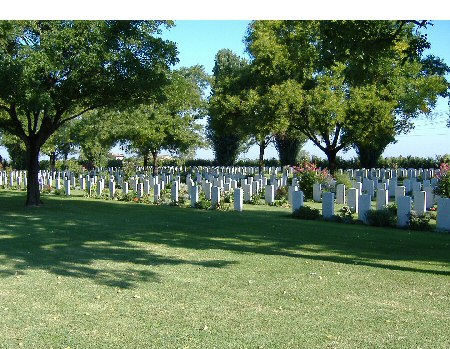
x: 86, y: 273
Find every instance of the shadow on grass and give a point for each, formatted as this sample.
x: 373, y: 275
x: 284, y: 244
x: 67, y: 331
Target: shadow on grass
x: 81, y: 238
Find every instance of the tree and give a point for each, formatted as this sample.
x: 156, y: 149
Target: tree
x: 171, y: 123
x: 288, y: 145
x: 95, y: 134
x: 59, y: 145
x: 320, y: 65
x: 225, y: 107
x: 16, y: 150
x: 54, y: 71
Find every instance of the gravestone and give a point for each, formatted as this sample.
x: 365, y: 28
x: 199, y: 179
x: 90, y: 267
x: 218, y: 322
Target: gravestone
x: 420, y: 202
x: 270, y: 194
x: 392, y: 185
x: 247, y: 192
x: 403, y: 210
x: 193, y: 192
x: 112, y: 188
x: 429, y: 203
x: 147, y: 186
x: 156, y: 192
x: 327, y: 205
x: 215, y: 196
x: 125, y: 188
x: 67, y: 187
x: 291, y: 190
x: 297, y: 200
x: 399, y: 192
x: 340, y: 194
x: 207, y: 190
x: 364, y: 205
x: 100, y: 186
x: 255, y: 187
x: 174, y: 191
x: 407, y: 185
x: 443, y: 215
x: 382, y: 199
x: 317, y: 192
x: 238, y: 199
x: 353, y: 196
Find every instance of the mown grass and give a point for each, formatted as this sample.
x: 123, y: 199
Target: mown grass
x: 80, y: 273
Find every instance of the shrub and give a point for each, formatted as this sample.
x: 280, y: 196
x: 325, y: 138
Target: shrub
x: 419, y: 222
x: 392, y: 208
x: 346, y: 215
x: 443, y: 185
x: 343, y: 178
x: 381, y: 218
x: 306, y: 212
x: 281, y: 193
x: 228, y: 197
x: 308, y: 174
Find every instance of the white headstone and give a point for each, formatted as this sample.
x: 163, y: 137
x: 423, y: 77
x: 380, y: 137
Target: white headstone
x: 403, y: 210
x: 327, y: 205
x: 443, y: 215
x: 340, y: 194
x: 420, y: 202
x: 174, y: 191
x: 382, y: 199
x: 399, y: 192
x: 353, y: 196
x: 215, y: 196
x: 317, y: 192
x: 67, y: 187
x: 112, y: 188
x: 238, y: 199
x: 156, y: 192
x: 194, y: 195
x: 297, y: 200
x: 270, y: 194
x: 429, y: 197
x: 247, y: 192
x: 364, y: 205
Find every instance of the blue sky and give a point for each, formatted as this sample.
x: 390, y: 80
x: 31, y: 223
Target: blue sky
x: 199, y: 40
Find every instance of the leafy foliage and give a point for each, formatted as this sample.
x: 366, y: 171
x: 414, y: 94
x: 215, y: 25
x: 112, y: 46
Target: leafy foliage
x: 170, y: 123
x: 346, y: 83
x: 381, y: 218
x: 52, y: 72
x: 306, y: 212
x: 225, y: 113
x: 443, y: 185
x: 308, y: 174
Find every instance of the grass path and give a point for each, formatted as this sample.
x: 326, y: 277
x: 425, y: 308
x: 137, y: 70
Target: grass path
x: 80, y: 273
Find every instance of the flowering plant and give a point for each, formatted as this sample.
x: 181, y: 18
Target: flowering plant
x: 308, y: 174
x: 443, y: 185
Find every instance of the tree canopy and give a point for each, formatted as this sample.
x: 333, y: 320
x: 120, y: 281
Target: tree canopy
x: 340, y: 82
x: 54, y: 71
x: 170, y: 123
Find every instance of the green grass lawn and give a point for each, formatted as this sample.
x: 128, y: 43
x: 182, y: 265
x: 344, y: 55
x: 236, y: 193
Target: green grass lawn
x: 84, y: 273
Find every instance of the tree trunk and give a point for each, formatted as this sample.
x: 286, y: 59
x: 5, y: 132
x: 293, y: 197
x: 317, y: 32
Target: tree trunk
x: 33, y: 193
x: 262, y: 147
x: 155, y: 164
x: 145, y: 161
x: 288, y: 149
x: 52, y: 161
x: 369, y: 154
x: 331, y: 156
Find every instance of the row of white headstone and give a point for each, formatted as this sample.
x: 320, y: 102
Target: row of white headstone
x: 361, y: 203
